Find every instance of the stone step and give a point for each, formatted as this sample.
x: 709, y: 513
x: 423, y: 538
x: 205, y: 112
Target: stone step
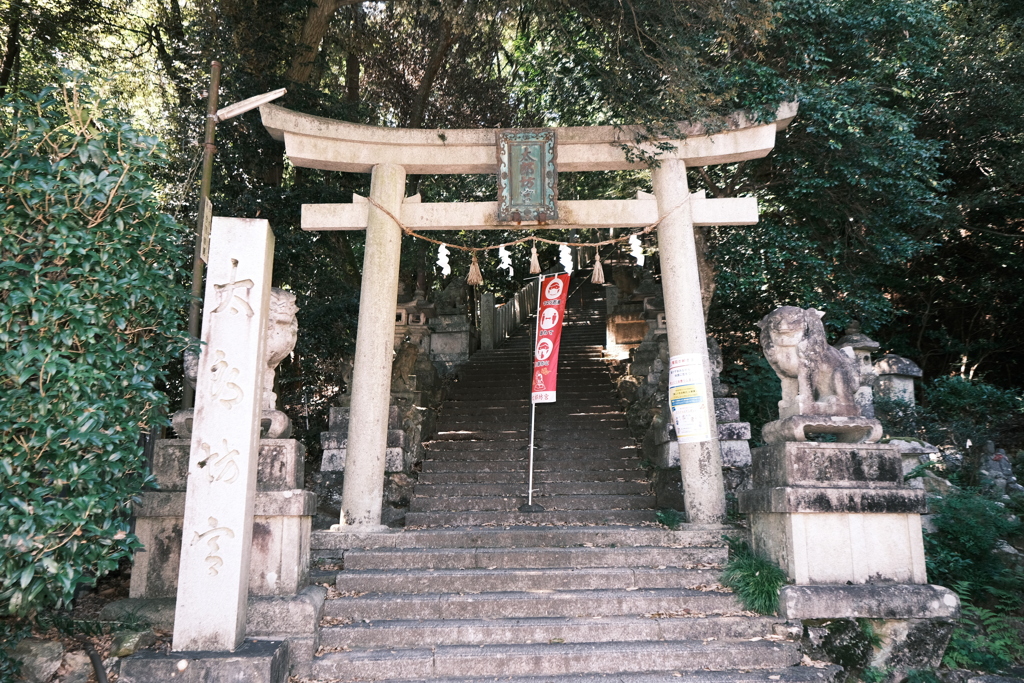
x: 492, y: 580
x: 488, y: 416
x: 518, y: 476
x: 555, y: 432
x: 556, y: 517
x: 529, y: 537
x: 511, y: 503
x: 546, y: 442
x: 517, y: 605
x: 597, y: 425
x: 410, y: 634
x: 546, y: 488
x: 523, y: 404
x: 552, y: 659
x: 534, y: 558
x: 616, y: 466
x: 789, y: 674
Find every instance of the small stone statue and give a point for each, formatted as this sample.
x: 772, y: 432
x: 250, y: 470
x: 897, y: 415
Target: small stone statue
x: 452, y: 299
x: 403, y: 367
x: 997, y: 472
x: 819, y: 382
x: 718, y: 389
x: 816, y: 378
x: 281, y: 334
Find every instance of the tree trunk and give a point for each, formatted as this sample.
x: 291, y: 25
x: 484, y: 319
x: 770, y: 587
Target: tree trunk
x: 352, y: 77
x: 434, y: 62
x: 13, y: 48
x: 318, y: 21
x: 705, y: 268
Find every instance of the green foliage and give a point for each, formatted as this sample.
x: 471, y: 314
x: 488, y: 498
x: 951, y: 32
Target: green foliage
x: 755, y: 579
x: 670, y: 518
x: 989, y: 640
x: 874, y: 674
x: 960, y: 554
x: 968, y: 528
x: 89, y: 312
x: 922, y: 676
x: 12, y: 631
x: 953, y: 411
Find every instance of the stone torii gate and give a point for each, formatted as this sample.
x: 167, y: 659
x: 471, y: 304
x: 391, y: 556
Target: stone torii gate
x: 389, y: 154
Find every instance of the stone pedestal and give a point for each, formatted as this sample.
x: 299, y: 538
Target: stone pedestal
x: 733, y: 438
x: 252, y: 662
x: 335, y: 441
x: 450, y: 341
x: 279, y: 562
x: 831, y: 513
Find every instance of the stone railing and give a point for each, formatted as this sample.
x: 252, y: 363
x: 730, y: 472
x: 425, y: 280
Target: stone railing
x: 497, y: 323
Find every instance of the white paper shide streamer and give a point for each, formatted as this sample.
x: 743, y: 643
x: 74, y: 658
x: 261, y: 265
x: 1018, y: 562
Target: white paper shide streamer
x: 506, y: 260
x: 442, y: 260
x: 565, y: 257
x: 636, y: 250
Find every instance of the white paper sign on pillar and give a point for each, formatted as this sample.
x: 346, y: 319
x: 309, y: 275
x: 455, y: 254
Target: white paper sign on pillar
x: 213, y: 577
x: 688, y: 398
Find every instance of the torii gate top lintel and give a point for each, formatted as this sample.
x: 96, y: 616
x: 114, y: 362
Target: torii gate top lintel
x: 332, y: 145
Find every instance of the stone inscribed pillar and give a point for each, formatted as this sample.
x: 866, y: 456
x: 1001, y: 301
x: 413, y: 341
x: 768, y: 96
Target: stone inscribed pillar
x: 213, y: 577
x: 701, y: 462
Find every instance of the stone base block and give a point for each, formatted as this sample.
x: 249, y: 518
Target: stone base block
x: 877, y: 500
x: 286, y: 616
x: 253, y: 662
x: 338, y: 420
x: 833, y: 465
x: 727, y: 410
x: 735, y: 453
x: 279, y: 564
x: 840, y: 548
x: 281, y: 463
x: 280, y: 554
x: 339, y: 440
x: 875, y: 601
x: 155, y: 568
x: 157, y: 612
x: 846, y: 429
x: 334, y: 460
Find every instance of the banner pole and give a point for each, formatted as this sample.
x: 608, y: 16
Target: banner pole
x: 530, y: 507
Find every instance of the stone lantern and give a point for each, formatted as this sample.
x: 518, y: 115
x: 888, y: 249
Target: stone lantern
x: 896, y: 376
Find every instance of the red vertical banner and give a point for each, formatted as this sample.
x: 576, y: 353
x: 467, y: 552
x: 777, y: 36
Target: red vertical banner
x: 554, y: 291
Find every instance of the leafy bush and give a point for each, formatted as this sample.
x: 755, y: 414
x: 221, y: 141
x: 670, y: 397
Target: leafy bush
x: 968, y: 528
x: 985, y: 639
x: 953, y: 410
x: 88, y: 318
x: 755, y: 579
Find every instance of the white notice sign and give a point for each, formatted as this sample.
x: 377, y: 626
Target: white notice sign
x: 688, y: 398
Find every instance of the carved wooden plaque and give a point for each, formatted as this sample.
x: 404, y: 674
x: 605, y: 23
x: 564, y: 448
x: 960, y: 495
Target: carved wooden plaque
x: 527, y: 176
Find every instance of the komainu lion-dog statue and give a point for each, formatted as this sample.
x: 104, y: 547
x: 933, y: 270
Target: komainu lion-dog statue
x: 819, y: 382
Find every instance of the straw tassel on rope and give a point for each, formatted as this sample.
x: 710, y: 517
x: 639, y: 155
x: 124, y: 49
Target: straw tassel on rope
x: 475, y: 277
x: 534, y: 260
x: 598, y: 276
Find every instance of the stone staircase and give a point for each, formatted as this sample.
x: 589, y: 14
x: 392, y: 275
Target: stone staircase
x: 588, y: 591
x: 587, y: 468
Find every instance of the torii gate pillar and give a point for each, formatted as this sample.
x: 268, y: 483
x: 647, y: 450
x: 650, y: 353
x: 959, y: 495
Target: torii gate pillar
x: 701, y: 463
x: 371, y: 373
